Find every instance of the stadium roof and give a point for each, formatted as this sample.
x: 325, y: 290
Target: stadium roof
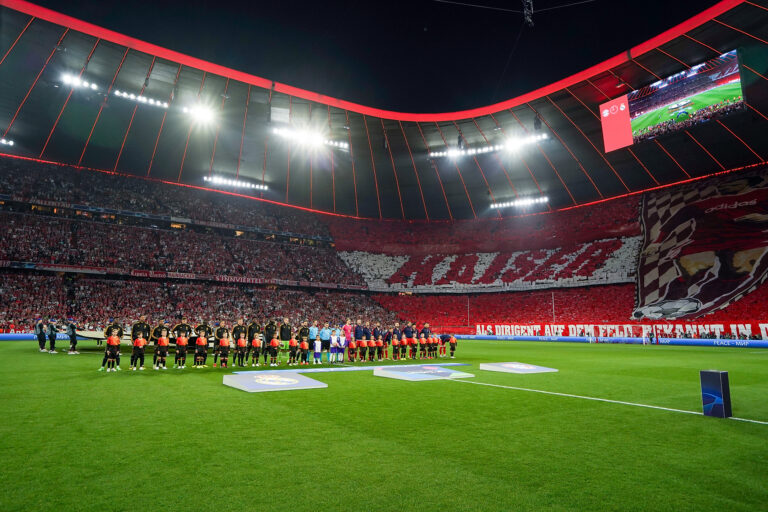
x: 386, y: 171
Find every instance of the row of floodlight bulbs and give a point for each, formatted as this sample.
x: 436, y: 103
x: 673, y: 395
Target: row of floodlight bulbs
x: 76, y: 81
x: 511, y: 145
x: 526, y: 201
x: 141, y: 99
x: 220, y: 180
x: 6, y: 142
x: 199, y: 111
x: 309, y: 138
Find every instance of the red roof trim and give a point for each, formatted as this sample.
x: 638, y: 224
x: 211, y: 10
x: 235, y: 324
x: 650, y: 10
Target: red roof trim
x: 142, y: 46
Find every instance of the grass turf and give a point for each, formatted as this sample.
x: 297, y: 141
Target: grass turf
x: 699, y: 101
x: 76, y: 439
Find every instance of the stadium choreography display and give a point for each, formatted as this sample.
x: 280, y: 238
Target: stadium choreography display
x: 693, y: 96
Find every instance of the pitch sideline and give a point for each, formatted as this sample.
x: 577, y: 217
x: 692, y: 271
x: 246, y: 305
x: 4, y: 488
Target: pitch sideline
x: 596, y: 399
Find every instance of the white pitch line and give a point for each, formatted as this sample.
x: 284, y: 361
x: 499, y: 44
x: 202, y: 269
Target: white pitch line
x: 751, y: 421
x: 596, y: 399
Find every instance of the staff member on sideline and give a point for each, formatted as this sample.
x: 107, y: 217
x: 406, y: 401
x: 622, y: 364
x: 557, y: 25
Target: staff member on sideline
x: 52, y: 332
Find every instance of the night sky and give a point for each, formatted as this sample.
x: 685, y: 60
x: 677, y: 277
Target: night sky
x: 417, y: 56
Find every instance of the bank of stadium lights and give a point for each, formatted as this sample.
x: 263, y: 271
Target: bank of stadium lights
x: 512, y: 144
x: 519, y: 203
x: 220, y: 180
x: 200, y: 113
x: 78, y: 83
x: 6, y: 142
x: 308, y: 138
x: 141, y: 99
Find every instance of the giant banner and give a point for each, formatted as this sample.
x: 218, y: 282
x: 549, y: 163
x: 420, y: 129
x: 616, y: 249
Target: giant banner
x: 630, y: 330
x: 607, y: 261
x: 704, y: 247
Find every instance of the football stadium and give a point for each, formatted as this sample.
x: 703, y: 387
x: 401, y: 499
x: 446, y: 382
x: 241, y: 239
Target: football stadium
x: 219, y: 291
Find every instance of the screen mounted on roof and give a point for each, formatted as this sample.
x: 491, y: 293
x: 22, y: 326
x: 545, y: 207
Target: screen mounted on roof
x: 693, y: 96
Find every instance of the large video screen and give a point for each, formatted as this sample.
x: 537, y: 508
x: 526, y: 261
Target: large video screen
x: 693, y: 96
x: 687, y: 98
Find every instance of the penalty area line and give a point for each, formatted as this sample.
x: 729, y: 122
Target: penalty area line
x: 596, y: 399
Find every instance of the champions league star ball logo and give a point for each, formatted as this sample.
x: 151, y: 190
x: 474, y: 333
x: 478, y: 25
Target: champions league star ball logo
x: 274, y: 380
x: 518, y: 366
x: 606, y: 113
x: 622, y: 107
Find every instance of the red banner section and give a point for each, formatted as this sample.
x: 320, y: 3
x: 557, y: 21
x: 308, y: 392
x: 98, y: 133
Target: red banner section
x: 629, y: 330
x: 617, y: 128
x: 607, y: 261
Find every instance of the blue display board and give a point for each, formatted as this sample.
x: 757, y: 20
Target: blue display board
x: 715, y: 394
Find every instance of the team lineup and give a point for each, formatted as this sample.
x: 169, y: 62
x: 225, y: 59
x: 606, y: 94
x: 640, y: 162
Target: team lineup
x: 271, y: 344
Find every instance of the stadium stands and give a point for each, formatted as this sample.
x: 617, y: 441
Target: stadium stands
x: 34, y: 181
x: 43, y: 239
x: 596, y: 304
x: 616, y: 218
x: 524, y: 264
x: 600, y: 262
x: 92, y: 301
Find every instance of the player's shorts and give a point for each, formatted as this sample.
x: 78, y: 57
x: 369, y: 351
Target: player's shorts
x: 223, y: 351
x: 325, y: 345
x: 182, y: 351
x: 200, y: 349
x: 113, y: 350
x: 273, y: 351
x: 162, y: 351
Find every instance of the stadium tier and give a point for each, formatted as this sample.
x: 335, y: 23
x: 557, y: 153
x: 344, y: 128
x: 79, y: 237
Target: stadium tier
x: 519, y: 268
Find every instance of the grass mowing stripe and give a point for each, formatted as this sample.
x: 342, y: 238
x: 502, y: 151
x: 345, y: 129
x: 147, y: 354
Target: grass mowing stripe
x: 596, y: 399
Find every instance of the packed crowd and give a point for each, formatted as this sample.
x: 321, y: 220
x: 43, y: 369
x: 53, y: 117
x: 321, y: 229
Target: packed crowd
x: 36, y: 181
x: 41, y: 239
x: 589, y: 304
x: 92, y: 301
x: 619, y: 218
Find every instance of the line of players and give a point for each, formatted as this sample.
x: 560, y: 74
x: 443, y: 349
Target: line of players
x: 349, y: 343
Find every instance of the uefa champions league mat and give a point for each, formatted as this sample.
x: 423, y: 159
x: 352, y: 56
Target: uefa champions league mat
x: 291, y: 378
x: 515, y: 367
x: 421, y: 372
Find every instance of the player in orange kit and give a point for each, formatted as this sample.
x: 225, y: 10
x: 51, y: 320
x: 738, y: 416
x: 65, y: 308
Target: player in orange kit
x: 293, y: 348
x: 138, y: 353
x: 201, y: 349
x: 273, y: 348
x: 113, y: 349
x: 242, y: 348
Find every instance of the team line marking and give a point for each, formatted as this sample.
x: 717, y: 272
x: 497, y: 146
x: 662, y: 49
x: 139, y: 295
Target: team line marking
x: 596, y: 399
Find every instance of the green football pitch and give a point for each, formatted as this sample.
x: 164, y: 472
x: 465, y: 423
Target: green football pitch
x: 77, y: 439
x: 699, y: 101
